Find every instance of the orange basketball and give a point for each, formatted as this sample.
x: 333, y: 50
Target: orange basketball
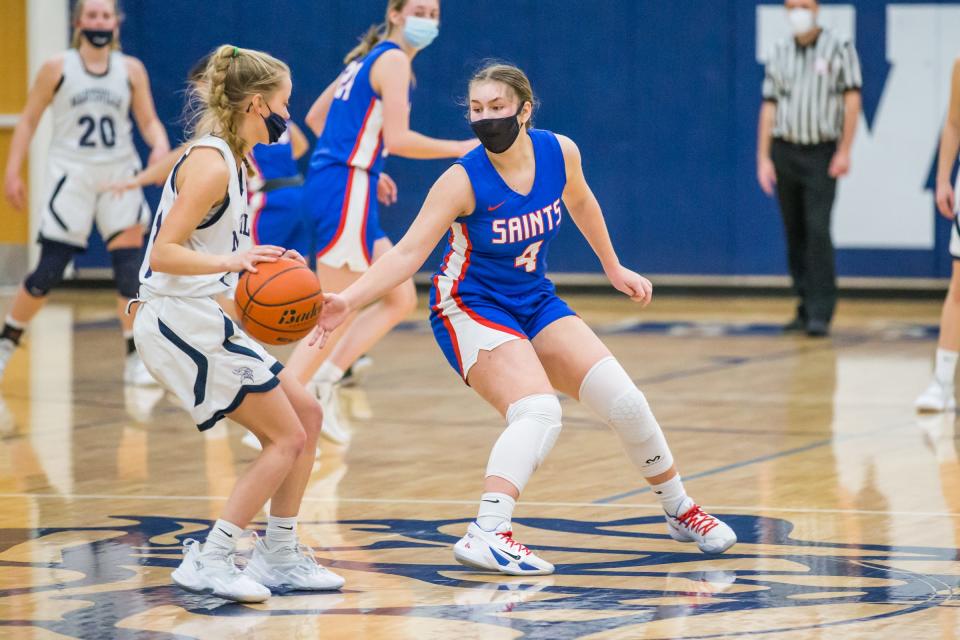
x: 280, y: 303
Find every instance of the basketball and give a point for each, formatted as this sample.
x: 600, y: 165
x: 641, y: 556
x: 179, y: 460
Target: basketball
x: 280, y: 303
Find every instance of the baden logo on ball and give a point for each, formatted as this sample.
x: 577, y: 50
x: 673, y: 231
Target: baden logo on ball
x: 279, y: 304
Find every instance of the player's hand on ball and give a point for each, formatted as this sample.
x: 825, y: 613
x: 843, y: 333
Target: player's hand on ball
x: 632, y: 284
x: 335, y: 311
x: 386, y: 190
x: 293, y: 254
x: 247, y: 260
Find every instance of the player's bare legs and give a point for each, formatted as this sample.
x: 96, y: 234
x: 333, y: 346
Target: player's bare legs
x: 512, y: 380
x: 939, y: 395
x: 588, y: 372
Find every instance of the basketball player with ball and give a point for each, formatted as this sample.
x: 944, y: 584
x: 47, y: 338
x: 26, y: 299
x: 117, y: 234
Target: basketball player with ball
x: 199, y: 242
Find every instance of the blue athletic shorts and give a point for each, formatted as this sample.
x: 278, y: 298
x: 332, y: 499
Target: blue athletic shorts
x: 278, y: 219
x: 464, y: 324
x: 340, y: 204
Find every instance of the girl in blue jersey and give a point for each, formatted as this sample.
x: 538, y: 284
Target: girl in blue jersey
x: 363, y: 114
x: 276, y: 192
x: 500, y: 324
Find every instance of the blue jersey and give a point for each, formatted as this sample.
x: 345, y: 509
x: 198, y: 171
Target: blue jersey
x: 274, y: 161
x: 353, y: 133
x: 502, y: 246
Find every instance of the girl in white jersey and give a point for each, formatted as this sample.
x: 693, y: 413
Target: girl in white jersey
x: 91, y: 89
x: 200, y: 241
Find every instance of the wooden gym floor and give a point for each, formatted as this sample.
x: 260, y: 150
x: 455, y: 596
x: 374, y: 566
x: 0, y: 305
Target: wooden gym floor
x: 847, y: 504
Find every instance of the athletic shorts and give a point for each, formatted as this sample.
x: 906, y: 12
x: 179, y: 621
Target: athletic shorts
x: 465, y: 324
x: 955, y: 238
x: 199, y: 355
x: 278, y: 219
x: 340, y: 205
x: 73, y: 201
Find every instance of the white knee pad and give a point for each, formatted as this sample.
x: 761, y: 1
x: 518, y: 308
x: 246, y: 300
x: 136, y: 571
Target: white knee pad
x: 609, y: 391
x: 533, y: 426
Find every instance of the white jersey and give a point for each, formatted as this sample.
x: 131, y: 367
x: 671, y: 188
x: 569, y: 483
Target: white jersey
x: 224, y: 230
x: 91, y: 113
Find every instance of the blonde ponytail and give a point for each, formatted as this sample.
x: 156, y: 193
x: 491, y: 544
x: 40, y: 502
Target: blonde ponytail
x: 231, y: 77
x: 375, y: 34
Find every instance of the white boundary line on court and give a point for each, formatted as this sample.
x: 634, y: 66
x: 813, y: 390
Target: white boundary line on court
x: 425, y: 501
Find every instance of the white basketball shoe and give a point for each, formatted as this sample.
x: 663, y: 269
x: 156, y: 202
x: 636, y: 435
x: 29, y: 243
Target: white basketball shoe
x: 498, y: 551
x: 693, y: 524
x: 292, y: 567
x: 135, y: 372
x: 937, y: 397
x: 335, y: 428
x: 7, y: 347
x: 213, y: 571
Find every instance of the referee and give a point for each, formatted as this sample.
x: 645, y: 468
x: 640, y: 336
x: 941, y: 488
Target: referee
x: 811, y: 105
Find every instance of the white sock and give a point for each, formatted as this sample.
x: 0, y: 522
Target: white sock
x: 946, y: 365
x: 223, y: 536
x: 13, y: 324
x: 281, y: 531
x: 329, y: 373
x: 671, y: 494
x: 495, y: 509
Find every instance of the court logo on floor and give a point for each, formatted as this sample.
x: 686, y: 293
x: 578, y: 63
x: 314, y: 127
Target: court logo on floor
x: 624, y: 577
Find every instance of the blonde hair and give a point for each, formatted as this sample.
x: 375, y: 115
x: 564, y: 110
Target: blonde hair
x: 231, y: 76
x: 77, y: 39
x: 375, y: 34
x: 513, y: 77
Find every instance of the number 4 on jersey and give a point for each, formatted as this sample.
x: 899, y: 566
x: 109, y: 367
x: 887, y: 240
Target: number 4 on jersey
x: 528, y: 260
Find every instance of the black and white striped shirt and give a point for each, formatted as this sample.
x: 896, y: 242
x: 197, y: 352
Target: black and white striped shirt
x: 808, y: 83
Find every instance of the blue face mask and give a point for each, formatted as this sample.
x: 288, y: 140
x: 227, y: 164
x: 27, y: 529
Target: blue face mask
x: 420, y: 32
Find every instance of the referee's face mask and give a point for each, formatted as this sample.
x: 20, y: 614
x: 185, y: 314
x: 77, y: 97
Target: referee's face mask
x: 802, y: 16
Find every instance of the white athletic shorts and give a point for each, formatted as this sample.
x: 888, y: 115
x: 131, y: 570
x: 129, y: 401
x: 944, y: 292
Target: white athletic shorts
x: 73, y: 201
x: 198, y: 354
x: 955, y: 238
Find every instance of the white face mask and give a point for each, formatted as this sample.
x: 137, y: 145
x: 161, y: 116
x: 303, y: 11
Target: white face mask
x: 802, y: 20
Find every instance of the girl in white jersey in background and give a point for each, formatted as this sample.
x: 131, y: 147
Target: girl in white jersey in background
x: 91, y: 89
x: 200, y: 241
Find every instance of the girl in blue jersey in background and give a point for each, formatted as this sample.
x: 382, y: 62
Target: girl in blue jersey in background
x: 362, y: 115
x: 502, y: 327
x: 276, y: 192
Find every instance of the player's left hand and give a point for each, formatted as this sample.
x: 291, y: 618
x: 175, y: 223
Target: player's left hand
x: 632, y: 284
x: 386, y: 190
x: 335, y: 311
x: 293, y: 254
x: 839, y: 165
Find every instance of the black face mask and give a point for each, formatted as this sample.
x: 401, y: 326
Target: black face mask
x: 98, y: 37
x: 276, y: 125
x: 497, y: 134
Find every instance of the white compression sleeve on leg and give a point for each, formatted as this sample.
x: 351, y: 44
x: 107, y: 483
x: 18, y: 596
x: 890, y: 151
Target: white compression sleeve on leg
x: 533, y: 425
x: 609, y: 391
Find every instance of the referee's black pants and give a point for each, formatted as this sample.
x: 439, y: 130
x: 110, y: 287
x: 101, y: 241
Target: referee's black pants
x: 806, y: 193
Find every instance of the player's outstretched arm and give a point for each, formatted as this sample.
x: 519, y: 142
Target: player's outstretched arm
x: 155, y: 174
x: 201, y: 185
x: 145, y: 111
x: 587, y: 215
x: 40, y: 96
x: 391, y: 75
x: 450, y: 198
